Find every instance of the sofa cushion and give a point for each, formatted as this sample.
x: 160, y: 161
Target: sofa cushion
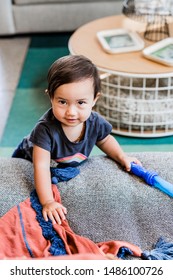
x: 28, y: 2
x: 104, y: 202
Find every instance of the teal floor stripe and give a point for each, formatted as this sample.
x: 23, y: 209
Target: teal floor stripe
x: 145, y: 141
x: 6, y: 152
x: 148, y: 148
x: 138, y: 148
x: 28, y: 107
x: 37, y: 63
x: 132, y: 144
x: 50, y: 40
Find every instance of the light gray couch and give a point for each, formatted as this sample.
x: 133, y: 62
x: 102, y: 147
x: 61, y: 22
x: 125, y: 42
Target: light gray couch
x: 103, y: 201
x: 30, y: 16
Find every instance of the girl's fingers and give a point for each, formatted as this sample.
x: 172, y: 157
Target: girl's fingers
x: 45, y: 216
x: 61, y: 213
x: 64, y: 210
x: 55, y: 215
x: 135, y: 160
x: 54, y: 218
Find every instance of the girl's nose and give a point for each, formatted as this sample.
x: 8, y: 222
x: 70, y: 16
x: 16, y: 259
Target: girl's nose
x: 71, y: 111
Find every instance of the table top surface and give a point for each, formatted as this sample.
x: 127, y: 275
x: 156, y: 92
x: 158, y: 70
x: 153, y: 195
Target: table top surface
x: 84, y: 41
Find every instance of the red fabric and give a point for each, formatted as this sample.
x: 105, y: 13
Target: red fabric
x: 12, y: 243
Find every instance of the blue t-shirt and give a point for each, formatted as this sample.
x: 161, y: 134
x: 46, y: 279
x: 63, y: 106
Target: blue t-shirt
x: 49, y: 135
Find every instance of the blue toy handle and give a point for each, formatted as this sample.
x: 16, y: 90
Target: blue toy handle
x: 152, y: 178
x: 163, y: 185
x: 141, y: 172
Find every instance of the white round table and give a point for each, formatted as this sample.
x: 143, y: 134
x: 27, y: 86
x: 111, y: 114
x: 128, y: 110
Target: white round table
x: 137, y: 94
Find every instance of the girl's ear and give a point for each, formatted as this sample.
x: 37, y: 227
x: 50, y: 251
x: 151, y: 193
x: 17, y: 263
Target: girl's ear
x: 96, y: 98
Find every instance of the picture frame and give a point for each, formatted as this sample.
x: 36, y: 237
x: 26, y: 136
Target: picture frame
x: 116, y: 41
x: 161, y: 52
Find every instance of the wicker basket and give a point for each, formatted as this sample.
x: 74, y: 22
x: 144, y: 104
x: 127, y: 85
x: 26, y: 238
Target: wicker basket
x: 140, y: 106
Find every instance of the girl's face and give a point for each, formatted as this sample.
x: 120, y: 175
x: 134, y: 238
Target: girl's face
x: 72, y: 103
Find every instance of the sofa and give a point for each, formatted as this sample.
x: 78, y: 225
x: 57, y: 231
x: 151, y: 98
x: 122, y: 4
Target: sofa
x: 103, y: 201
x: 35, y: 16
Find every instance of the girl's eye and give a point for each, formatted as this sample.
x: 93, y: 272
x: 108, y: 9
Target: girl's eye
x: 63, y: 102
x: 81, y: 102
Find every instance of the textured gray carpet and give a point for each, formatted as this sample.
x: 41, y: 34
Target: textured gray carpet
x: 16, y: 182
x: 103, y: 201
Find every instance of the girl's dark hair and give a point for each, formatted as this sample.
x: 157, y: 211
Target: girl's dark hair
x: 69, y: 69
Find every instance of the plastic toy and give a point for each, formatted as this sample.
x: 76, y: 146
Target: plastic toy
x: 152, y: 178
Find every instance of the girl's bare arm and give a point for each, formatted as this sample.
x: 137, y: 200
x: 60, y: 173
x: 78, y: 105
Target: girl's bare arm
x: 111, y: 147
x: 51, y: 209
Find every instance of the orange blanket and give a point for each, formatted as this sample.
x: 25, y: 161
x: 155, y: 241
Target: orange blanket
x: 22, y: 236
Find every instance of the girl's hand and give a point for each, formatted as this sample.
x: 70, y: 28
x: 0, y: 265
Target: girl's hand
x: 54, y: 211
x: 126, y: 162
